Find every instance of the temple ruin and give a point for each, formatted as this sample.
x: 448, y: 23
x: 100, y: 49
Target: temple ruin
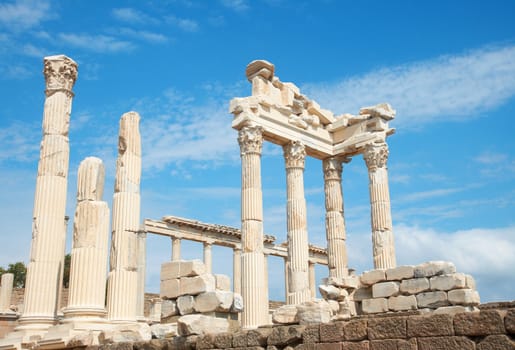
x: 196, y: 308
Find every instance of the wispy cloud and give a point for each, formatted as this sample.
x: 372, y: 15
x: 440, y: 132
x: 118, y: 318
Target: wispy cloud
x: 24, y: 14
x: 33, y: 51
x: 236, y: 5
x: 488, y: 158
x: 185, y: 24
x: 448, y: 87
x: 96, y: 43
x: 439, y: 192
x: 131, y: 15
x: 143, y: 35
x: 14, y: 71
x: 17, y: 142
x: 496, y: 165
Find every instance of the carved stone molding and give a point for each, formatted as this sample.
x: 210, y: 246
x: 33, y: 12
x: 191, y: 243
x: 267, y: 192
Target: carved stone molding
x: 60, y: 73
x: 333, y: 167
x: 294, y: 154
x: 250, y: 139
x: 376, y: 156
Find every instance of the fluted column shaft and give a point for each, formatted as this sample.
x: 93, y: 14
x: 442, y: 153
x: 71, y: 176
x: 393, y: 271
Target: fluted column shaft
x: 6, y: 291
x: 90, y: 241
x: 298, y: 249
x: 312, y: 280
x: 176, y: 249
x: 44, y: 277
x: 334, y: 219
x: 236, y: 274
x: 376, y: 156
x: 255, y: 311
x: 123, y: 276
x: 208, y: 257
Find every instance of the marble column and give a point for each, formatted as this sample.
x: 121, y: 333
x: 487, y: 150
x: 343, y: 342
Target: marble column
x: 265, y: 289
x: 334, y: 218
x: 142, y: 264
x: 44, y: 277
x: 298, y: 249
x: 123, y: 275
x: 312, y: 280
x: 236, y: 270
x: 176, y: 249
x: 88, y: 265
x: 208, y: 257
x: 255, y: 313
x: 286, y: 278
x: 376, y: 156
x: 6, y: 292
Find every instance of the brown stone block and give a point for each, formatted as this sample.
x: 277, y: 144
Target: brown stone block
x: 355, y: 330
x: 331, y: 332
x: 496, y: 342
x: 311, y: 334
x: 509, y: 322
x: 393, y: 344
x: 239, y: 340
x: 445, y: 343
x: 223, y: 340
x: 285, y: 335
x: 486, y: 322
x: 258, y: 337
x: 430, y: 326
x: 362, y: 345
x: 205, y: 342
x: 305, y: 347
x: 328, y: 346
x: 387, y: 328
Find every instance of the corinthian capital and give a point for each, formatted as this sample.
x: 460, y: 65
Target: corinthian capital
x: 250, y: 139
x: 332, y: 168
x: 294, y: 154
x: 60, y: 73
x: 376, y: 155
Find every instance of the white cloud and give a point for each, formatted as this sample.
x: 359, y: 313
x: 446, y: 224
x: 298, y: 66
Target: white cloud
x: 15, y: 72
x: 97, y: 43
x: 133, y: 16
x: 144, y: 35
x: 236, y: 5
x: 33, y: 51
x: 442, y: 89
x: 19, y: 142
x: 24, y: 14
x: 185, y: 24
x: 496, y: 165
x: 416, y: 196
x: 491, y: 158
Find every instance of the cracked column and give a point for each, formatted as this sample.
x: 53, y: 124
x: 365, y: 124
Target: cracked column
x: 298, y: 249
x: 44, y: 277
x: 376, y: 156
x: 122, y: 292
x: 255, y: 311
x: 90, y: 242
x: 334, y: 219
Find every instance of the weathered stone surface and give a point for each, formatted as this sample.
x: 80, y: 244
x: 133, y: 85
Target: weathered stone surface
x: 311, y: 334
x: 382, y: 110
x: 214, y: 301
x: 335, y: 306
x: 430, y: 326
x: 332, y: 332
x: 362, y: 293
x: 196, y: 285
x: 466, y: 297
x: 239, y: 339
x: 393, y: 344
x: 445, y: 343
x: 509, y: 321
x: 237, y: 303
x: 351, y: 282
x: 222, y: 282
x: 286, y: 314
x: 448, y: 282
x: 223, y: 340
x: 400, y: 273
x: 471, y: 283
x: 169, y: 289
x: 162, y: 331
x: 432, y: 299
x: 414, y: 285
x: 355, y: 330
x: 328, y: 346
x: 496, y: 342
x: 453, y: 310
x: 385, y: 289
x: 402, y: 303
x: 329, y: 292
x: 362, y: 345
x: 311, y: 312
x: 200, y: 324
x: 373, y: 276
x: 387, y: 328
x: 185, y: 304
x: 258, y: 337
x: 374, y: 306
x: 486, y: 322
x: 434, y: 268
x: 168, y: 308
x: 285, y: 335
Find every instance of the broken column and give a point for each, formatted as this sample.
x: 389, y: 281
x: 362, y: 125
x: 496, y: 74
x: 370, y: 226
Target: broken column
x: 176, y: 249
x: 334, y: 219
x: 298, y: 249
x: 376, y: 156
x: 90, y: 241
x: 6, y: 291
x: 208, y: 256
x: 255, y: 311
x: 123, y: 276
x: 44, y: 277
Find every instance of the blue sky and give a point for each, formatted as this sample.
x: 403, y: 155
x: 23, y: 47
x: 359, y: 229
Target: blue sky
x: 448, y: 68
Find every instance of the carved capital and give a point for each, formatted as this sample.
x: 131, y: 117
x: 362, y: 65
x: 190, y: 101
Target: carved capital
x: 332, y: 168
x: 250, y: 139
x: 294, y: 154
x: 376, y: 156
x: 60, y: 73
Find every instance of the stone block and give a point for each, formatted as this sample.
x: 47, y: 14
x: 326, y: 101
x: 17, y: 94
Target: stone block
x: 222, y: 282
x: 351, y: 282
x: 362, y: 293
x: 258, y: 337
x: 286, y: 314
x: 385, y: 289
x: 370, y: 277
x: 328, y: 346
x: 496, y: 342
x: 285, y: 335
x: 414, y: 285
x: 355, y: 330
x: 200, y: 325
x: 432, y: 300
x: 196, y: 285
x: 185, y: 304
x: 239, y: 339
x: 237, y: 303
x: 445, y: 343
x: 467, y: 297
x: 471, y: 283
x: 168, y: 308
x: 169, y: 289
x: 362, y: 345
x: 214, y: 301
x: 393, y: 344
x: 170, y: 270
x: 453, y: 310
x: 400, y: 273
x: 331, y: 332
x: 223, y: 340
x: 402, y: 303
x: 313, y: 312
x: 311, y: 334
x: 448, y: 282
x: 430, y: 326
x: 335, y: 306
x: 182, y: 268
x: 434, y: 268
x: 509, y: 321
x: 486, y: 322
x: 374, y: 306
x: 329, y: 292
x: 387, y: 328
